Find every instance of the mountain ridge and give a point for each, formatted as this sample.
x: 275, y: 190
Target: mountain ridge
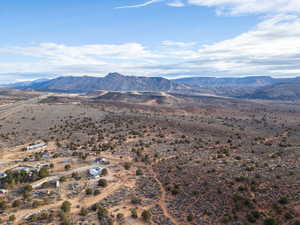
x: 111, y: 82
x: 250, y: 81
x: 256, y: 87
x: 280, y: 91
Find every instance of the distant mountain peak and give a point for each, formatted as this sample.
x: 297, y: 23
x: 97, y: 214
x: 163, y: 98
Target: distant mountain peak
x: 114, y: 75
x: 244, y: 87
x: 111, y: 82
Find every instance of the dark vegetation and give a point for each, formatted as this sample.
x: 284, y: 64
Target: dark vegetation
x: 219, y: 161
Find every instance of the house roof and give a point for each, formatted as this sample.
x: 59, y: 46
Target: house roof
x: 95, y: 171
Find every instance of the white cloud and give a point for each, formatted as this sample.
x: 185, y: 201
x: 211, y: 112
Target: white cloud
x: 273, y: 37
x: 271, y: 48
x: 172, y: 3
x: 233, y: 7
x: 150, y: 2
x: 176, y: 3
x: 178, y: 44
x: 87, y: 53
x: 250, y: 6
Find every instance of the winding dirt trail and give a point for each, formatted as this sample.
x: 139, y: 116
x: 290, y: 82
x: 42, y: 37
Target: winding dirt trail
x: 162, y: 202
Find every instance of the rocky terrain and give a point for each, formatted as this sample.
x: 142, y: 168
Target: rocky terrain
x: 172, y: 159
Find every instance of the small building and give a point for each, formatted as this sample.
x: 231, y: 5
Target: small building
x: 48, y: 182
x: 27, y: 169
x: 32, y: 147
x: 73, y: 186
x: 102, y: 161
x: 57, y: 184
x: 95, y: 172
x: 2, y: 175
x: 40, y: 166
x: 46, y: 155
x: 3, y: 191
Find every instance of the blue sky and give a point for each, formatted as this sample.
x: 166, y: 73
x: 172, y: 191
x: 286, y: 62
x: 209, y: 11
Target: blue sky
x: 170, y: 38
x: 93, y: 22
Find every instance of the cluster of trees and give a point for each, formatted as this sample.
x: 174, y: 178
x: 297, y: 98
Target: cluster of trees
x: 146, y: 214
x: 64, y: 214
x: 19, y: 177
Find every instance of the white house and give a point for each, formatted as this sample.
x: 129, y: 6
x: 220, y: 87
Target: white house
x: 57, y: 184
x: 46, y: 155
x: 40, y: 166
x: 27, y: 169
x: 2, y: 175
x: 102, y: 161
x: 95, y: 172
x: 3, y: 191
x: 32, y: 147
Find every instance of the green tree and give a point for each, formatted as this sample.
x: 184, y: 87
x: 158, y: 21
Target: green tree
x: 134, y: 213
x: 43, y: 172
x: 283, y: 200
x: 27, y: 188
x: 127, y: 165
x: 3, y: 204
x: 190, y: 218
x: 97, y: 192
x: 16, y: 203
x: 136, y: 200
x: 12, y: 218
x: 104, y: 172
x: 83, y: 212
x: 146, y: 215
x: 62, y: 179
x: 270, y: 221
x: 102, y: 183
x: 66, y: 206
x: 67, y: 167
x: 120, y: 218
x: 139, y: 172
x: 102, y: 212
x: 89, y: 191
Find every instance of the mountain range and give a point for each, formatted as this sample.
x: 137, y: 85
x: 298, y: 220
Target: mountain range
x: 255, y: 87
x: 111, y: 82
x: 279, y: 91
x: 253, y: 81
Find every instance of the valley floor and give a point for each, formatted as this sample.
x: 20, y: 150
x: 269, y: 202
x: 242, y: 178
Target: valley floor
x: 180, y: 161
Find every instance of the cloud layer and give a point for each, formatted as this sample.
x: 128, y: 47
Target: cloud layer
x: 232, y: 7
x: 250, y: 6
x: 271, y: 48
x: 150, y: 2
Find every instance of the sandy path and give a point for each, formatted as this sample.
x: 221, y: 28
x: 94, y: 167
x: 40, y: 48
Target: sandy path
x: 162, y: 203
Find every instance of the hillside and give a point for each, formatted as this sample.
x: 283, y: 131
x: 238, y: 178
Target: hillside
x: 25, y: 83
x: 254, y: 81
x: 247, y: 87
x: 112, y: 82
x: 282, y: 91
x: 118, y: 82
